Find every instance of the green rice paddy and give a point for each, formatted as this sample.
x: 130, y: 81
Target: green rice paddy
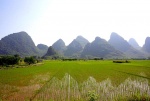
x: 16, y: 82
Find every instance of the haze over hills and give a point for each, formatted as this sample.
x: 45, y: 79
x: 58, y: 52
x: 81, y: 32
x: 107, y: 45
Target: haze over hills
x: 82, y: 40
x: 134, y: 44
x: 146, y: 46
x: 42, y: 49
x: 50, y: 52
x: 118, y: 42
x: 122, y: 45
x: 59, y: 46
x: 21, y: 43
x: 101, y: 48
x: 73, y: 49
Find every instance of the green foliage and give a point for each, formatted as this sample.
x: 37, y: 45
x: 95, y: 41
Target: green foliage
x: 92, y: 96
x: 9, y: 60
x: 69, y: 59
x: 30, y: 60
x: 121, y: 61
x: 53, y: 57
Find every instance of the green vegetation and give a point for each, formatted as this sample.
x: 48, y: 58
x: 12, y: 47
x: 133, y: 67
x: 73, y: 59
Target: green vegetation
x: 44, y: 77
x: 29, y: 60
x: 9, y: 60
x: 121, y: 61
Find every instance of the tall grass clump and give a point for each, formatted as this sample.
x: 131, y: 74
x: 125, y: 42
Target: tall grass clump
x: 67, y: 89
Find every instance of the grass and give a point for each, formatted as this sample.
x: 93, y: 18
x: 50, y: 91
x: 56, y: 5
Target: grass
x: 35, y: 77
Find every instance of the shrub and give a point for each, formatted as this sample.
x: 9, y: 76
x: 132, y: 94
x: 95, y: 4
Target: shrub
x: 121, y: 61
x: 92, y: 96
x: 9, y: 60
x: 30, y: 60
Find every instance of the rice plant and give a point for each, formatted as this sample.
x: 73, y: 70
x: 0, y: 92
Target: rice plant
x: 67, y: 89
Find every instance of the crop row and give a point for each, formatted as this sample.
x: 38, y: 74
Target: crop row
x: 90, y: 90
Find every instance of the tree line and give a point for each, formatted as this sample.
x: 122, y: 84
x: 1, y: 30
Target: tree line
x: 15, y: 59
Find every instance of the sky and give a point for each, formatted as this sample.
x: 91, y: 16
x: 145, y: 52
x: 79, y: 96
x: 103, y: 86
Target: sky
x: 46, y: 21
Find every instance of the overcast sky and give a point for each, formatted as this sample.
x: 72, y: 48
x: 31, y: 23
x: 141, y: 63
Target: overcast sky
x: 48, y: 20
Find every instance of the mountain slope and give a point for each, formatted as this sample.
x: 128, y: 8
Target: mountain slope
x: 42, y: 49
x: 133, y: 43
x: 59, y: 46
x: 18, y: 43
x: 122, y: 45
x: 146, y: 46
x: 50, y: 52
x: 82, y: 41
x: 101, y: 48
x: 74, y: 48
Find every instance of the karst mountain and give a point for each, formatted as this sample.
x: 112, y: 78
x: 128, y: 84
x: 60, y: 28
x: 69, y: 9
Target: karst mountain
x: 116, y: 47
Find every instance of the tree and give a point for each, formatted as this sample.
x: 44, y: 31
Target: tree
x: 1, y: 61
x: 9, y: 60
x: 29, y: 60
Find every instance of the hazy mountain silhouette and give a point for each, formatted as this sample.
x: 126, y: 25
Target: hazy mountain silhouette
x: 118, y: 42
x: 59, y: 46
x: 18, y: 43
x: 122, y: 45
x: 146, y: 46
x: 82, y: 40
x: 134, y: 44
x: 74, y: 48
x: 42, y: 49
x: 50, y: 52
x: 100, y: 48
x: 21, y: 43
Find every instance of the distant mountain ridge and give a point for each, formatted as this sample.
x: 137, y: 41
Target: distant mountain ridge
x: 117, y: 47
x: 101, y: 48
x: 146, y: 46
x: 122, y: 45
x: 118, y: 42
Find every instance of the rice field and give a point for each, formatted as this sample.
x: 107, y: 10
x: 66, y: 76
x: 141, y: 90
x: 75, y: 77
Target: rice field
x: 77, y: 81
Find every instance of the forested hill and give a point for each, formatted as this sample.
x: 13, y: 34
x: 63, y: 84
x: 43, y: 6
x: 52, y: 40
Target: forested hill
x: 18, y: 43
